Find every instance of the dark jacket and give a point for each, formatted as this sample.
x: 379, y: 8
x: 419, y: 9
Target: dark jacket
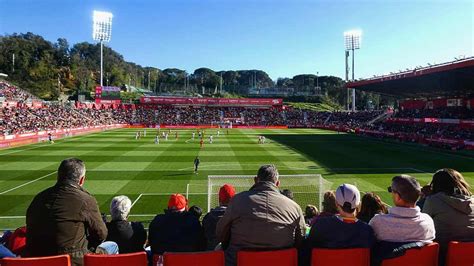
x: 209, y: 223
x: 176, y: 232
x: 63, y: 219
x: 261, y: 218
x: 332, y: 232
x: 129, y: 236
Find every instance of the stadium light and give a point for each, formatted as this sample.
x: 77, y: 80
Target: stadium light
x: 102, y: 32
x: 352, y: 41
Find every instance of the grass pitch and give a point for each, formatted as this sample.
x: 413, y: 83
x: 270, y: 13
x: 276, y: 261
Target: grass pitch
x: 117, y: 164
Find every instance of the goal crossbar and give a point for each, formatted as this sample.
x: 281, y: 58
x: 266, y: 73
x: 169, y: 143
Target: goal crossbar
x: 308, y: 188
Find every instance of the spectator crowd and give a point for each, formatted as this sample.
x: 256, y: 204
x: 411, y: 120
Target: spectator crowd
x: 65, y: 219
x: 25, y: 119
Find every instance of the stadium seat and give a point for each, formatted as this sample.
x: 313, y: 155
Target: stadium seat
x: 425, y: 256
x: 460, y: 254
x: 285, y: 257
x: 352, y: 256
x: 211, y: 258
x: 61, y: 260
x: 136, y: 259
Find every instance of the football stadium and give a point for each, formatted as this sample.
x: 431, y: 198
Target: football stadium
x: 103, y: 161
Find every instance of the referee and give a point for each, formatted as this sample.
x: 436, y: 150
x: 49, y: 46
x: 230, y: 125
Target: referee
x: 196, y: 164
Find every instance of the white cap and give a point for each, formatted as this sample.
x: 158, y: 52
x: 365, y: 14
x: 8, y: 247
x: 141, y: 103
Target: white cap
x: 348, y: 193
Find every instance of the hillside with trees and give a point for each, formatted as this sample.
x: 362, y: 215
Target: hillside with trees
x: 49, y: 70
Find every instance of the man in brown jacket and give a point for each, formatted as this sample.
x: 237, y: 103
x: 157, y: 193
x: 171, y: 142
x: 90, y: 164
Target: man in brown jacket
x: 64, y: 219
x: 261, y: 218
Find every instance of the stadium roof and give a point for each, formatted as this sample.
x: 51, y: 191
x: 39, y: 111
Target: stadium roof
x: 448, y: 79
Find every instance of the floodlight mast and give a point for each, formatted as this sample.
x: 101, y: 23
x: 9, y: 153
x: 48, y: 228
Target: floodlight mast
x: 102, y: 32
x: 352, y: 41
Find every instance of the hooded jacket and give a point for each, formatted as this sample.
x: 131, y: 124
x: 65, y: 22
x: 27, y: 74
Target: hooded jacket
x: 453, y: 217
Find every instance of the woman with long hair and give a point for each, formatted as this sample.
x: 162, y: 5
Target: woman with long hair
x: 371, y: 205
x: 451, y: 206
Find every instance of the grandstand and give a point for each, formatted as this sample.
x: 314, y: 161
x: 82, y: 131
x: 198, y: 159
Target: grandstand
x: 435, y: 105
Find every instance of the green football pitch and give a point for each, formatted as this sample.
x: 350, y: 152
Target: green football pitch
x: 117, y: 164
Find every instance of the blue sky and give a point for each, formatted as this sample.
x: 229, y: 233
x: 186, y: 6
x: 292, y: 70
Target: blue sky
x: 284, y: 38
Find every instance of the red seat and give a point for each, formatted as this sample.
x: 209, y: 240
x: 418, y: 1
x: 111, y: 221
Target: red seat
x: 425, y: 256
x: 136, y: 259
x: 61, y: 260
x: 460, y: 254
x: 211, y: 258
x: 348, y: 256
x: 285, y: 257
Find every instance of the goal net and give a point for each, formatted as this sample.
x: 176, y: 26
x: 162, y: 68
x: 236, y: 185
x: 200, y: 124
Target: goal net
x: 307, y: 189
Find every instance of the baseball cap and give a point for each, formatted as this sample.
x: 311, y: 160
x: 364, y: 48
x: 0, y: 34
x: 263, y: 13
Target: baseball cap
x: 177, y: 202
x: 347, y: 193
x: 226, y: 192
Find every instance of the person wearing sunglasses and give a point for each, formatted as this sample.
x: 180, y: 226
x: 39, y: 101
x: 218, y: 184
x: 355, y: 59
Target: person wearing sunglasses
x: 404, y: 222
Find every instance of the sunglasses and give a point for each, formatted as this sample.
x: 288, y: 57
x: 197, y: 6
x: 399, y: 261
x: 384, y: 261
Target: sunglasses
x: 390, y: 190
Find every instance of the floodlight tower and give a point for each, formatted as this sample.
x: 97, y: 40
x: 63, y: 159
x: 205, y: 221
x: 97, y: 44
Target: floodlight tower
x: 352, y: 40
x: 102, y: 32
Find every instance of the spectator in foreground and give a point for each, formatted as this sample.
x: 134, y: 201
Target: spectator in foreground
x: 310, y: 212
x: 129, y: 236
x: 405, y: 222
x: 65, y: 218
x: 451, y: 206
x: 329, y: 206
x: 261, y: 218
x: 288, y: 193
x: 425, y: 193
x: 370, y: 206
x: 196, y: 211
x: 176, y: 230
x: 209, y: 222
x: 342, y: 230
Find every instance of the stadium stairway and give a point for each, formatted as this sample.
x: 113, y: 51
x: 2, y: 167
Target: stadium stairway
x: 381, y: 117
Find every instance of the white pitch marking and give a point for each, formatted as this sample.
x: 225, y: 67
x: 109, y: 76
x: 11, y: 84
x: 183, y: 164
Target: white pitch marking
x: 27, y: 183
x: 135, y: 201
x: 65, y: 139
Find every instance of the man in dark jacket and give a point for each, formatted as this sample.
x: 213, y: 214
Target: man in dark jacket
x: 261, y: 218
x: 176, y: 230
x: 209, y: 223
x: 65, y: 218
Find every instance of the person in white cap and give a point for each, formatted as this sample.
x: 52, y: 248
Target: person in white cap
x: 342, y: 230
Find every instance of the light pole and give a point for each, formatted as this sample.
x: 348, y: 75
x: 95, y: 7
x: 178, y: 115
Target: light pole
x: 352, y: 40
x: 102, y: 32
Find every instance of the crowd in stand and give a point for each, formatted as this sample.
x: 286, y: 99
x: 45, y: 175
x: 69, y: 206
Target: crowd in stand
x: 445, y: 113
x: 65, y: 219
x: 428, y: 130
x: 16, y: 120
x: 12, y: 93
x: 24, y: 119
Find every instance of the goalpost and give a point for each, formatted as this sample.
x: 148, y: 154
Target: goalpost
x: 306, y: 188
